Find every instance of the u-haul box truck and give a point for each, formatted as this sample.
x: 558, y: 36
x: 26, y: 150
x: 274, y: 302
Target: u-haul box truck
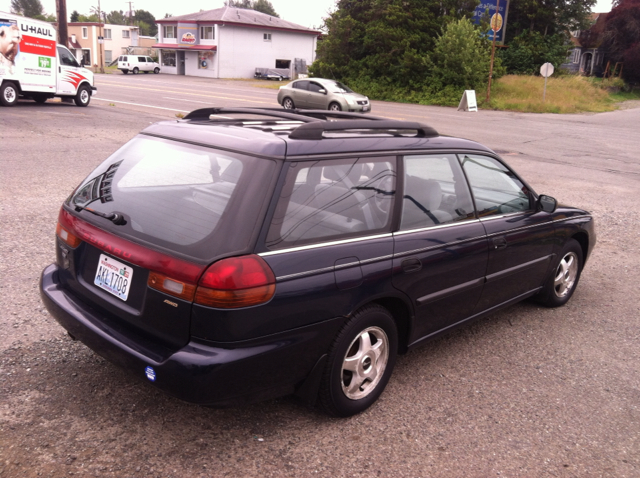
x: 33, y: 66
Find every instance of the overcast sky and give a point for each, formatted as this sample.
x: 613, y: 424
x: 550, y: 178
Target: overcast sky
x: 308, y: 13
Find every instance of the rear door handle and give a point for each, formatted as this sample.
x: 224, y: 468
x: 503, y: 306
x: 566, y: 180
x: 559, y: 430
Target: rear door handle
x: 499, y: 242
x: 411, y: 265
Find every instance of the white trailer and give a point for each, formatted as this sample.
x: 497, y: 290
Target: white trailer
x: 33, y: 66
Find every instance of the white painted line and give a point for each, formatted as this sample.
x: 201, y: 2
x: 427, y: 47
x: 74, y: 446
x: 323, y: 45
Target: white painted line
x: 138, y: 104
x: 188, y: 101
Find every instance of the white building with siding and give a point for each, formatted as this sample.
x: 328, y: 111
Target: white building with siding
x: 231, y: 43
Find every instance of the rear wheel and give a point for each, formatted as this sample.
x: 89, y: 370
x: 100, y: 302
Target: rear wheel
x: 335, y: 107
x: 135, y: 70
x: 156, y: 70
x: 287, y: 104
x: 8, y: 94
x: 360, y: 362
x: 83, y: 97
x: 562, y: 283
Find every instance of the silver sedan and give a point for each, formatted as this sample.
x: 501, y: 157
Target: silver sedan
x: 322, y: 94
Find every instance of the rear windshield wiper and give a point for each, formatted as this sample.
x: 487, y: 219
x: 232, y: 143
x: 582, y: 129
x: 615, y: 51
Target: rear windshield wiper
x: 116, y: 218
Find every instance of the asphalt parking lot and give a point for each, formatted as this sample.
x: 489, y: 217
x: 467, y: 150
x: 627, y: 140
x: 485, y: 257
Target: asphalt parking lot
x: 528, y: 392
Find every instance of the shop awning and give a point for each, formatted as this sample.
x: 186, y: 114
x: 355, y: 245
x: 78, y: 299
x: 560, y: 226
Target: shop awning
x: 175, y: 46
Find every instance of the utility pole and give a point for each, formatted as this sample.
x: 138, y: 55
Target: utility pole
x: 63, y: 32
x: 495, y: 29
x: 130, y: 21
x: 100, y: 37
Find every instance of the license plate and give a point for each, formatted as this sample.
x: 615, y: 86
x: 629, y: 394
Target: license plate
x: 113, y: 276
x: 365, y: 108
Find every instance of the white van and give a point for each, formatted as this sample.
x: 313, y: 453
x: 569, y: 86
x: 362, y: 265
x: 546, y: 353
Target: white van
x: 33, y: 66
x: 137, y: 63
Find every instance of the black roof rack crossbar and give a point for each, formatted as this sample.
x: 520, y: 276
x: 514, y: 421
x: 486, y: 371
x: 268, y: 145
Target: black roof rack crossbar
x: 205, y: 113
x: 316, y: 130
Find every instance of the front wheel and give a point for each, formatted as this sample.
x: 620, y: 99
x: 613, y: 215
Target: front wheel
x: 335, y: 107
x: 156, y: 70
x: 562, y: 283
x: 135, y: 70
x: 360, y: 362
x: 287, y: 104
x: 83, y: 97
x: 8, y: 94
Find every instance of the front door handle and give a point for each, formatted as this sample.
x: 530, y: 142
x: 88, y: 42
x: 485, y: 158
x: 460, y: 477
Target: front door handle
x: 499, y: 242
x: 411, y: 265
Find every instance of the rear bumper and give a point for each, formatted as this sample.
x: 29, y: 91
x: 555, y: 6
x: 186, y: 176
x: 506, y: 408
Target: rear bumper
x: 200, y: 372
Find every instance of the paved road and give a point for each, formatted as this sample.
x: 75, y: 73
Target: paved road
x: 528, y: 392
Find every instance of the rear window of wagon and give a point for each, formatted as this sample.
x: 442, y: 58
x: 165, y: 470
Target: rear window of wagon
x: 195, y: 201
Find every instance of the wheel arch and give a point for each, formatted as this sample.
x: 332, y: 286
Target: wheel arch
x: 402, y: 315
x: 15, y: 83
x: 583, y: 239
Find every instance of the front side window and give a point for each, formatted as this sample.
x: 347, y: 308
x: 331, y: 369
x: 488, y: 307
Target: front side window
x: 66, y: 57
x: 435, y: 192
x: 315, y: 87
x: 206, y: 33
x: 169, y: 57
x: 332, y: 200
x: 496, y: 189
x: 169, y: 31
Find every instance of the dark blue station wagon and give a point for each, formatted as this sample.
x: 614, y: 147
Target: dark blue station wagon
x: 242, y: 254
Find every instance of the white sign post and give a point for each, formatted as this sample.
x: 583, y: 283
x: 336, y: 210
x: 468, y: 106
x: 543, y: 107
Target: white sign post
x: 468, y: 101
x: 546, y: 70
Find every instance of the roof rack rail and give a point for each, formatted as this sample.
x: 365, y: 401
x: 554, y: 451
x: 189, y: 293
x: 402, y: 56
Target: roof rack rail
x: 315, y: 130
x: 305, y: 116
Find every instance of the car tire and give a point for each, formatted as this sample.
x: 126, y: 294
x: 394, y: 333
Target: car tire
x: 360, y: 362
x: 124, y: 72
x: 156, y: 70
x: 288, y: 104
x: 135, y: 70
x: 83, y: 97
x: 335, y: 107
x: 563, y: 281
x: 8, y: 94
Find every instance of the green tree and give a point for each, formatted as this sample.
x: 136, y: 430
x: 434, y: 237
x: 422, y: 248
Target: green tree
x: 547, y: 17
x: 147, y: 23
x: 385, y: 41
x: 263, y: 6
x: 530, y: 50
x: 460, y: 59
x: 74, y: 16
x: 116, y: 18
x: 27, y: 8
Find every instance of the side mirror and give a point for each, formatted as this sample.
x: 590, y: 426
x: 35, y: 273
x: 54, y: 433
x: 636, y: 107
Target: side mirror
x: 324, y: 92
x: 546, y: 203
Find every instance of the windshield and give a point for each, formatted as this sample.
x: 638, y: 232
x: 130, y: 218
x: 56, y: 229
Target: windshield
x: 191, y: 200
x: 337, y: 87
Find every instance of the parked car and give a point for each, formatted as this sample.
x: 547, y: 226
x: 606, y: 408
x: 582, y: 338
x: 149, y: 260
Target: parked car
x: 241, y: 254
x: 322, y: 94
x: 137, y: 63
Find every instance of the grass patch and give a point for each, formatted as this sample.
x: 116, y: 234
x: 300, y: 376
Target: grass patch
x: 565, y: 94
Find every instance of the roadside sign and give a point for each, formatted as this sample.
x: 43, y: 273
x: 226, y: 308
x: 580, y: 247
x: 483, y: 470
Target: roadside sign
x: 546, y: 70
x: 488, y: 11
x: 468, y: 101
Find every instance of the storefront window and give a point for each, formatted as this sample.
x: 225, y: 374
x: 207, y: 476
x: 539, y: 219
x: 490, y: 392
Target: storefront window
x: 169, y: 57
x: 205, y: 60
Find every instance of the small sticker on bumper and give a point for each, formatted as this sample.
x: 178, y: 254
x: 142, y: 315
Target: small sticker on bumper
x: 150, y: 373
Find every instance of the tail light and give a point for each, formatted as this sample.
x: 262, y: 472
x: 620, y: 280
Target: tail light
x: 67, y: 237
x: 236, y: 282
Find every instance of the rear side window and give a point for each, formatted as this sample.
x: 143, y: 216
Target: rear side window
x: 301, y: 85
x: 332, y: 200
x: 179, y: 197
x: 435, y: 192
